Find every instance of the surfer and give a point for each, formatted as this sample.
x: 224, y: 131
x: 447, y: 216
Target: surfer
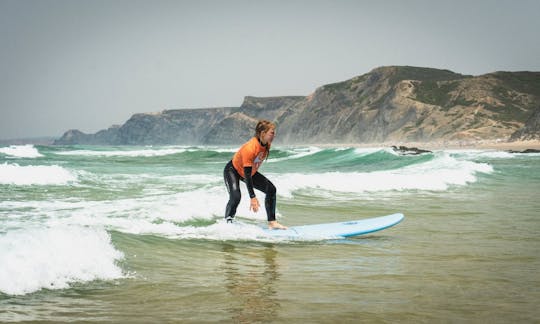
x: 244, y: 166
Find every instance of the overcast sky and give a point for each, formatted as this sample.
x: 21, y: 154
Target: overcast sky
x: 91, y: 64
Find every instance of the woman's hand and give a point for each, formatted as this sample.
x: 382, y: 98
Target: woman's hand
x: 254, y: 204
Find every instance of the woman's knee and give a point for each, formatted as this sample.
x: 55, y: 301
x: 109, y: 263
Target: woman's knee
x: 270, y: 189
x: 235, y: 196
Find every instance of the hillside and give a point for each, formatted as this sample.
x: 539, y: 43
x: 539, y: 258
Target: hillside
x: 395, y: 103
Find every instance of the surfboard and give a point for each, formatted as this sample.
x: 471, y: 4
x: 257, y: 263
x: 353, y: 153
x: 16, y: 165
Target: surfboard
x: 340, y: 229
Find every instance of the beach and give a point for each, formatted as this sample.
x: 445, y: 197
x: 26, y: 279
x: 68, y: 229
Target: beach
x: 501, y: 145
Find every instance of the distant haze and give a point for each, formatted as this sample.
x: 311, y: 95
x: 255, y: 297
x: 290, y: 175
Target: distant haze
x: 90, y: 64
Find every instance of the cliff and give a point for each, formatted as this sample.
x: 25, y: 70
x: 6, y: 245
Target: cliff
x: 396, y: 103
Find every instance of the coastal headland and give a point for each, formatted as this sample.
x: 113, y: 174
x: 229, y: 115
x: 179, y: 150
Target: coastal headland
x: 395, y: 105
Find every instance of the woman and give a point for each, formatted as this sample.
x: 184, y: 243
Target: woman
x: 244, y: 166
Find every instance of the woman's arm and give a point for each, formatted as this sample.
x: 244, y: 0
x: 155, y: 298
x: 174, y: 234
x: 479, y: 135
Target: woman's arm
x: 249, y: 181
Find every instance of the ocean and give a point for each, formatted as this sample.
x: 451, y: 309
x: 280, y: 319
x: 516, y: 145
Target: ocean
x: 135, y: 234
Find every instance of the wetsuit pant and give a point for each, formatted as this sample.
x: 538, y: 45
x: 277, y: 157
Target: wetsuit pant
x: 260, y: 182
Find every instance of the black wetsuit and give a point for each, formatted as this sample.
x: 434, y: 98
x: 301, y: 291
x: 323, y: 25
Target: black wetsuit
x: 257, y: 181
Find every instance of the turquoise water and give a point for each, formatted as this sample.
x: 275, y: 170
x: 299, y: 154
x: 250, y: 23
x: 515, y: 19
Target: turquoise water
x: 134, y: 234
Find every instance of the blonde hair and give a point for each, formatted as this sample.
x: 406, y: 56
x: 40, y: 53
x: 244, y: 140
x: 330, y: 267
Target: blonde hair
x: 263, y: 126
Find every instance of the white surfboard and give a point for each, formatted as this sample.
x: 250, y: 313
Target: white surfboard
x: 340, y: 229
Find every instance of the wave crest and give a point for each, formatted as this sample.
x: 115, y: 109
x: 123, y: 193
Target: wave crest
x: 21, y: 151
x: 35, y: 175
x: 437, y: 174
x: 54, y: 258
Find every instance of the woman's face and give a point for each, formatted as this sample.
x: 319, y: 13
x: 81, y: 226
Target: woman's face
x: 268, y: 136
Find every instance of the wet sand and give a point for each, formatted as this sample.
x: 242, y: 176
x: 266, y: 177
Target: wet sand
x: 442, y: 145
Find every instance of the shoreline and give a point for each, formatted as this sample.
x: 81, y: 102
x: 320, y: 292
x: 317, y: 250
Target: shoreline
x: 482, y: 145
x: 450, y: 145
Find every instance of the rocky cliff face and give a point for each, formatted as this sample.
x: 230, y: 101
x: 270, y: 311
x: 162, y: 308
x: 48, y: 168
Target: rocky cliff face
x: 374, y: 107
x: 386, y: 104
x: 182, y: 126
x: 415, y: 104
x: 531, y: 130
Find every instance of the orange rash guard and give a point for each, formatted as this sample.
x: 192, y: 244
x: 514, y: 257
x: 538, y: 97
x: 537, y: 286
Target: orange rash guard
x: 251, y: 154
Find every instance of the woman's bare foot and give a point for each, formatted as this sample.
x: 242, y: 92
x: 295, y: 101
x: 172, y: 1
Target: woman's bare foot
x: 276, y: 225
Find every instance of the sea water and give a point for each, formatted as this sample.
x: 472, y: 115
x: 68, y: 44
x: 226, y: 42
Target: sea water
x: 135, y: 234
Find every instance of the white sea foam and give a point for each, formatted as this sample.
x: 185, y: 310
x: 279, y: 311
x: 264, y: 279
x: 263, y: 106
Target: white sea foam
x: 21, y: 151
x: 241, y: 230
x: 237, y: 231
x: 479, y: 154
x: 438, y: 174
x: 159, y: 215
x: 35, y: 175
x: 144, y: 152
x: 296, y: 154
x: 370, y: 150
x: 127, y: 153
x: 139, y: 215
x: 164, y: 210
x: 53, y: 258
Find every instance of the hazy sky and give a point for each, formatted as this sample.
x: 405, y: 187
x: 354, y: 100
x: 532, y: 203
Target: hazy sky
x: 91, y: 64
